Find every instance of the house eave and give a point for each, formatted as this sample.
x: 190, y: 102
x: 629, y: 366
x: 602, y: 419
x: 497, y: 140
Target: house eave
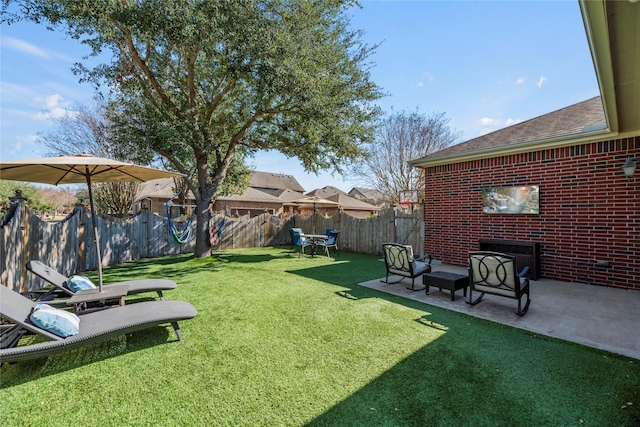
x: 517, y: 148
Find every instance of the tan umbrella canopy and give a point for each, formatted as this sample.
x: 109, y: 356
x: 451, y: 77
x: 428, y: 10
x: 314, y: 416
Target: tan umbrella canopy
x: 79, y: 169
x: 314, y: 201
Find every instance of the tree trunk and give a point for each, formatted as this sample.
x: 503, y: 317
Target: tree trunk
x: 202, y: 248
x: 203, y: 199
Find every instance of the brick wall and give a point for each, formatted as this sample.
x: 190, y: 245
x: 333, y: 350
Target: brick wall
x: 589, y: 211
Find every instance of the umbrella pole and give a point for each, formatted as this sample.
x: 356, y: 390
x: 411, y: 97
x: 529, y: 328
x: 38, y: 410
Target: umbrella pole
x: 95, y: 231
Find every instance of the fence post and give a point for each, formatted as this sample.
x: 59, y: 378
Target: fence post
x: 80, y: 265
x: 145, y: 232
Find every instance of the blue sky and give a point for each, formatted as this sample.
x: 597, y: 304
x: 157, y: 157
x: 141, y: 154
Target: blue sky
x: 486, y: 65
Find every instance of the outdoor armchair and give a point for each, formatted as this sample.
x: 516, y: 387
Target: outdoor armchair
x: 93, y: 327
x: 298, y: 239
x: 495, y: 273
x: 134, y: 286
x: 399, y: 261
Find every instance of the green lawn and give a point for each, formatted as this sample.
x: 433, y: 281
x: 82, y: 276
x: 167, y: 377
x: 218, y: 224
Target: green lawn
x: 282, y: 341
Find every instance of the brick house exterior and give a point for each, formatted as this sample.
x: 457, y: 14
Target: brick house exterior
x: 588, y: 224
x: 589, y: 211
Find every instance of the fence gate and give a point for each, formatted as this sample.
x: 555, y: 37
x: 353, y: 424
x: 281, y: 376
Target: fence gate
x: 409, y: 229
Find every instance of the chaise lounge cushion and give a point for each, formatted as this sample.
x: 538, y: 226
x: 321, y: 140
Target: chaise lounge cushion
x: 79, y: 283
x: 59, y: 322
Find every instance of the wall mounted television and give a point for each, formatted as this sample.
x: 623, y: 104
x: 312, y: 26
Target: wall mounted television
x: 523, y: 199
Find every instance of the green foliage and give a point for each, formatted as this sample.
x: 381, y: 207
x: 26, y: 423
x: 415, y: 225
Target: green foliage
x: 200, y: 82
x: 29, y: 191
x: 287, y: 341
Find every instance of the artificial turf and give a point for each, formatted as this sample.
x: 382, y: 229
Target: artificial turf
x: 287, y: 341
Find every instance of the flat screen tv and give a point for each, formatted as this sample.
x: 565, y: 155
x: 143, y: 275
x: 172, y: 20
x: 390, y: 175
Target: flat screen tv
x: 524, y: 199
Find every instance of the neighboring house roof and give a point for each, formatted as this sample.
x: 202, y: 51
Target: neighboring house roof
x: 582, y: 117
x: 252, y: 195
x: 162, y: 188
x: 349, y: 203
x: 288, y: 195
x: 367, y: 194
x: 274, y: 181
x: 324, y: 192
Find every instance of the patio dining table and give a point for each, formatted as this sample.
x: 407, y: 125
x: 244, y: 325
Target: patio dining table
x: 314, y: 239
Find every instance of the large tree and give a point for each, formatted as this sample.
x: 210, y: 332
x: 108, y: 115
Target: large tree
x: 400, y: 137
x: 201, y: 81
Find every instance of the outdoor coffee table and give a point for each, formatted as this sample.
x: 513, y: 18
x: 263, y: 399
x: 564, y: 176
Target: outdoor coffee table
x: 443, y: 279
x: 113, y: 293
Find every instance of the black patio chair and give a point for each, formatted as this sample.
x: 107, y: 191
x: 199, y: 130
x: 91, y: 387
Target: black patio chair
x: 495, y: 273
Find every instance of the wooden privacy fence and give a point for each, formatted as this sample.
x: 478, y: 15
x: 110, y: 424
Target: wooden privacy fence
x: 69, y: 245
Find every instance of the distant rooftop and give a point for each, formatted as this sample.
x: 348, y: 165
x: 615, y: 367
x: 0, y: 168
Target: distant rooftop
x: 275, y: 181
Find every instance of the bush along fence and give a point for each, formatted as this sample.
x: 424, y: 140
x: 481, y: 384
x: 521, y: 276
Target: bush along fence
x: 69, y: 245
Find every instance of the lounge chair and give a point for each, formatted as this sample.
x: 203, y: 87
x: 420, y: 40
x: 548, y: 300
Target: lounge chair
x: 93, y: 327
x: 58, y: 280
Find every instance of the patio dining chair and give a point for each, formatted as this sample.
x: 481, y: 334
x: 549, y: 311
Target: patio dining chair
x: 331, y: 242
x: 298, y: 239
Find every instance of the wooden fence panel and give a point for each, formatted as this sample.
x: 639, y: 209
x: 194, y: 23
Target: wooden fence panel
x: 11, y: 244
x: 69, y: 247
x: 55, y: 244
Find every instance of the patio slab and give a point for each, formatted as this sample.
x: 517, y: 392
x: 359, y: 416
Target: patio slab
x: 595, y: 316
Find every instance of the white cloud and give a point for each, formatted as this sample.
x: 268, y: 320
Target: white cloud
x: 429, y: 76
x: 520, y: 81
x: 419, y: 84
x: 486, y: 125
x: 23, y: 47
x: 54, y: 107
x: 542, y: 79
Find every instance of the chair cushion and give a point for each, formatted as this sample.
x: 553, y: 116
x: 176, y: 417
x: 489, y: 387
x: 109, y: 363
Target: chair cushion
x: 79, y: 283
x: 59, y: 322
x: 421, y: 268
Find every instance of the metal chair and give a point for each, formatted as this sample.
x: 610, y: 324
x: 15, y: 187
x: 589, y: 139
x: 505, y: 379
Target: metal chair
x: 495, y: 273
x: 399, y: 261
x: 298, y: 239
x: 331, y: 242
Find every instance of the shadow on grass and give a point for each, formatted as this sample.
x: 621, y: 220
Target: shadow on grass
x: 13, y: 374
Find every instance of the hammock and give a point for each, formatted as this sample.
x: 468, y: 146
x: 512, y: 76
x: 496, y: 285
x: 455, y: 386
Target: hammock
x: 215, y: 232
x: 186, y: 233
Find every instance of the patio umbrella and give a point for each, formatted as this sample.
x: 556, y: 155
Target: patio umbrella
x: 79, y: 169
x: 315, y: 201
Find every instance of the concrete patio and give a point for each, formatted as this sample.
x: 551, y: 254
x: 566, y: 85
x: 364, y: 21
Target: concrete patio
x: 595, y: 316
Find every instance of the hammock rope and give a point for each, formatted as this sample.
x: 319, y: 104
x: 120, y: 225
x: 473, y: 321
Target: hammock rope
x: 186, y: 233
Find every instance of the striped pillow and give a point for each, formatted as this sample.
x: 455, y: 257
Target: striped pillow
x: 59, y: 322
x: 79, y: 283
